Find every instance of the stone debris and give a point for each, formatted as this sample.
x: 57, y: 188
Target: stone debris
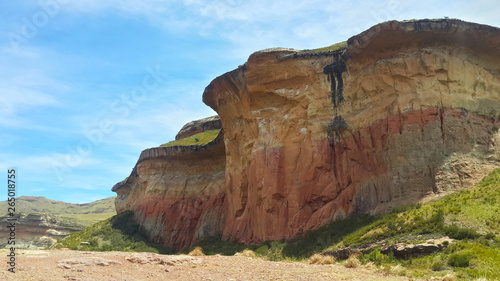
x: 86, y: 261
x: 159, y: 259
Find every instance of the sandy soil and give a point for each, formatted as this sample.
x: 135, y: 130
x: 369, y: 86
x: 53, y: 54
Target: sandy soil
x: 75, y: 265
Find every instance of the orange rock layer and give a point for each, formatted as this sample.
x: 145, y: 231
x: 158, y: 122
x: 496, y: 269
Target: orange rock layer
x: 409, y: 111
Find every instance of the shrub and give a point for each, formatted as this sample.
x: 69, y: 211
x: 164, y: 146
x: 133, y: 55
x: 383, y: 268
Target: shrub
x: 262, y: 250
x: 275, y: 252
x: 438, y: 264
x: 352, y: 262
x: 459, y: 260
x: 321, y: 259
x: 375, y: 256
x: 246, y: 253
x: 456, y: 232
x: 197, y: 252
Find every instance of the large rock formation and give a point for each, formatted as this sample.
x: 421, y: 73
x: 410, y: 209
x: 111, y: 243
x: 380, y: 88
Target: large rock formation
x: 177, y: 193
x: 407, y: 111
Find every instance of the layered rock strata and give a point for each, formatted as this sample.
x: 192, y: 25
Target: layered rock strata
x: 407, y: 111
x: 177, y: 193
x: 199, y: 126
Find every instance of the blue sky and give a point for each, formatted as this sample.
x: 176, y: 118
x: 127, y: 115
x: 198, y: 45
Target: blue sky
x: 86, y: 85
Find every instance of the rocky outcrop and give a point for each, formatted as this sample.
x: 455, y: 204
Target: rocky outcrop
x: 199, y: 126
x: 408, y: 111
x: 399, y: 250
x: 37, y: 230
x: 177, y: 193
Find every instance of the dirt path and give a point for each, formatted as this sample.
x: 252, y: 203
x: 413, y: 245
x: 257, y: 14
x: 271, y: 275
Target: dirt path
x: 65, y: 264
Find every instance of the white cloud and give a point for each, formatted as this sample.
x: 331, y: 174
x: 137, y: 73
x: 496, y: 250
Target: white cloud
x: 14, y: 98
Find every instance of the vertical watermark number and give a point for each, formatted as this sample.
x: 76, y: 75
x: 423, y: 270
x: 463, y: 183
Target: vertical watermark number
x: 11, y: 214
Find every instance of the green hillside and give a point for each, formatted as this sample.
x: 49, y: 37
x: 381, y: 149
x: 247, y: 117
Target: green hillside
x: 81, y: 214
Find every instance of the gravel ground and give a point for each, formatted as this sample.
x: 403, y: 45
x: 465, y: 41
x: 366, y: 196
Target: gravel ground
x: 66, y: 264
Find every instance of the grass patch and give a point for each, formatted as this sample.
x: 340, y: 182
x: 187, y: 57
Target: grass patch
x: 215, y: 245
x: 119, y: 233
x: 196, y: 252
x: 321, y: 259
x: 331, y: 48
x: 89, y: 219
x: 352, y: 262
x: 247, y: 253
x: 198, y: 139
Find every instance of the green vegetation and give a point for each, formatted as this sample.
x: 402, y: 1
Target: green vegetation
x: 119, y: 233
x: 331, y: 48
x: 74, y: 215
x: 198, y: 139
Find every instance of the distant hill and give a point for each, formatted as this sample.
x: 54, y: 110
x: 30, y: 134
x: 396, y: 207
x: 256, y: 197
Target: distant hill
x: 39, y: 204
x: 44, y: 220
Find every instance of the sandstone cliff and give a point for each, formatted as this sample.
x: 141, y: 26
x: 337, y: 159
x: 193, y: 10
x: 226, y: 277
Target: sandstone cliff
x: 407, y: 111
x: 177, y: 193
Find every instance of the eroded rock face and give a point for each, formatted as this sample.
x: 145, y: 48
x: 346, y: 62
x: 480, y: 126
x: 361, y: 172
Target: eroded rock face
x: 421, y: 105
x: 408, y: 111
x: 177, y: 193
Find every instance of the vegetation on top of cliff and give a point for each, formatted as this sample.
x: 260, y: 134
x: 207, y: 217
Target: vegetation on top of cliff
x: 198, y: 139
x: 119, y: 233
x: 334, y: 47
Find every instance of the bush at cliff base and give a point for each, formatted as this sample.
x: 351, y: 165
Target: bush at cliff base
x: 119, y: 233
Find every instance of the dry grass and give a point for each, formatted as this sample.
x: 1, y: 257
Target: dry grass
x: 197, y: 252
x: 370, y: 265
x: 321, y: 259
x: 352, y: 261
x: 247, y: 253
x: 449, y: 277
x: 398, y: 270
